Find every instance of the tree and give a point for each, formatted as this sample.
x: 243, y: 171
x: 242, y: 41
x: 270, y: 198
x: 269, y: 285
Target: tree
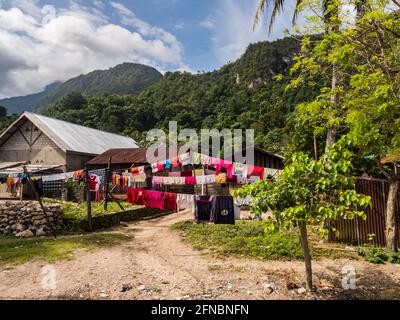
x: 367, y: 53
x: 331, y: 19
x: 309, y: 191
x: 370, y: 53
x: 3, y: 112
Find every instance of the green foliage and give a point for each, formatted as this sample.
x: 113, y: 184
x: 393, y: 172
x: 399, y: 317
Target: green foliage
x: 248, y: 239
x: 379, y: 255
x: 309, y: 191
x: 5, y: 121
x: 126, y: 78
x: 16, y: 251
x: 243, y: 94
x: 79, y: 211
x: 243, y: 239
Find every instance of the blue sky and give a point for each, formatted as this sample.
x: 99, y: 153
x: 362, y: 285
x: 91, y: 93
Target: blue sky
x: 42, y: 41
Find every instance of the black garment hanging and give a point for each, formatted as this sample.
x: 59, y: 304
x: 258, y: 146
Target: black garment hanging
x: 38, y: 186
x: 223, y: 210
x: 202, y: 212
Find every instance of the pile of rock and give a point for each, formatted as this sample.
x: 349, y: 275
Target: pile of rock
x: 27, y: 219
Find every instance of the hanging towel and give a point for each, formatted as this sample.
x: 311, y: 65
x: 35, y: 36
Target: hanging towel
x: 185, y: 159
x: 154, y: 199
x: 222, y: 210
x: 253, y: 179
x: 240, y: 169
x: 202, y: 212
x: 154, y: 167
x: 175, y: 163
x: 221, y: 178
x: 243, y: 202
x: 174, y: 174
x: 180, y: 181
x: 227, y: 165
x: 160, y: 166
x: 168, y: 181
x: 158, y: 181
x: 190, y: 181
x: 195, y: 158
x: 205, y: 179
x: 187, y: 173
x: 170, y: 201
x: 185, y: 201
x: 135, y: 196
x: 198, y: 172
x: 255, y: 171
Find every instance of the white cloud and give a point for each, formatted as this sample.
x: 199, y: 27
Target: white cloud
x: 206, y: 24
x: 179, y: 26
x: 40, y: 45
x: 233, y: 31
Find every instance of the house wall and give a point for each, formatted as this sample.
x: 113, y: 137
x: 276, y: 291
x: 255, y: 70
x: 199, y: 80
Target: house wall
x: 31, y: 144
x: 77, y: 161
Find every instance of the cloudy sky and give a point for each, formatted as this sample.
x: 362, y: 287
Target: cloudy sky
x: 42, y: 41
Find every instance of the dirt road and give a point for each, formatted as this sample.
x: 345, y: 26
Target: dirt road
x: 156, y: 264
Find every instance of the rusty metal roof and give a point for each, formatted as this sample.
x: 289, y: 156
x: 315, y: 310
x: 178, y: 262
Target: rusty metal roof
x: 121, y: 156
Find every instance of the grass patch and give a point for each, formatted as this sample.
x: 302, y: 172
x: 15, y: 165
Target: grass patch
x: 248, y: 239
x: 79, y: 211
x: 16, y: 251
x: 379, y: 255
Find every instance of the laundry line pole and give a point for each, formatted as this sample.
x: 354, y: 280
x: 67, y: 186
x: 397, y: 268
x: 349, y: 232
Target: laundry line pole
x: 88, y: 198
x: 107, y: 182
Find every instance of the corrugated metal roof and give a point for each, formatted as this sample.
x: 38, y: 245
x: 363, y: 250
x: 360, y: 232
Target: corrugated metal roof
x: 31, y: 168
x: 7, y: 165
x: 72, y: 137
x: 121, y: 156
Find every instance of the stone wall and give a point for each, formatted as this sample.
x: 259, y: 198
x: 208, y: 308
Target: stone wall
x: 26, y: 219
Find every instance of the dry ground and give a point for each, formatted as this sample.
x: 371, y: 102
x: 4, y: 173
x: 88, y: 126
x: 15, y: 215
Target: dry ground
x: 156, y: 264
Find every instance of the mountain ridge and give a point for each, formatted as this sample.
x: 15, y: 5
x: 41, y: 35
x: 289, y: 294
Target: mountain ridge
x: 125, y: 78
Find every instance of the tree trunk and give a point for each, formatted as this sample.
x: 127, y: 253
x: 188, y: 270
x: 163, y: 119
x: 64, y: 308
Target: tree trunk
x: 307, y: 256
x: 391, y: 223
x: 331, y: 134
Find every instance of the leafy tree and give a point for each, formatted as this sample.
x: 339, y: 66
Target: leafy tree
x: 330, y: 23
x: 370, y: 52
x: 309, y: 191
x: 3, y: 112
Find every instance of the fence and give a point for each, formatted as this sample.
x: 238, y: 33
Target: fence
x: 358, y: 231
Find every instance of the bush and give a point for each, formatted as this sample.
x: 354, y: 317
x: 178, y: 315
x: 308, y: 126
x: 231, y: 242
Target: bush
x: 379, y: 256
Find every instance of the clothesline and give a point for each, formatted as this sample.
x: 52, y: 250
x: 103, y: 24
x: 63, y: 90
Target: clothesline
x: 179, y: 201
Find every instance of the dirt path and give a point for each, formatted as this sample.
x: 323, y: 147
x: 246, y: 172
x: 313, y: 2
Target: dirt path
x: 156, y: 264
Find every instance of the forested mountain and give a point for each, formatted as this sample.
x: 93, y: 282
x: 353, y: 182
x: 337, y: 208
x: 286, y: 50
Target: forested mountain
x: 126, y: 78
x: 243, y: 94
x: 20, y: 104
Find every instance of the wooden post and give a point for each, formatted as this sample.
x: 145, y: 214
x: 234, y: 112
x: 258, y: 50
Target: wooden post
x: 53, y: 230
x: 88, y: 198
x: 107, y: 184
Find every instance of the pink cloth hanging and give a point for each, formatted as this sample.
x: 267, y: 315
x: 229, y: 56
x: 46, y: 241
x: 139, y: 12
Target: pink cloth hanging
x: 190, y: 181
x: 228, y: 165
x: 154, y: 199
x: 255, y: 171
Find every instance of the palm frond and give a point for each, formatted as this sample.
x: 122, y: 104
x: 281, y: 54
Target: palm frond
x: 296, y: 11
x: 260, y: 11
